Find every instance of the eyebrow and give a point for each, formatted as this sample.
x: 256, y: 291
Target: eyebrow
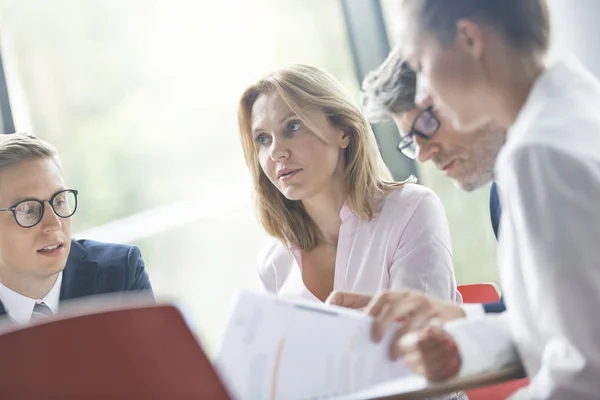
x: 281, y: 121
x: 291, y: 114
x: 20, y: 199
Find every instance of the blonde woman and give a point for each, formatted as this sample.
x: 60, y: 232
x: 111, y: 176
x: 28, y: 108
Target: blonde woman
x: 338, y: 220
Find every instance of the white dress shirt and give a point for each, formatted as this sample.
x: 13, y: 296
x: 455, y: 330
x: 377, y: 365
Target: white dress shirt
x: 473, y: 310
x: 549, y: 247
x: 20, y: 307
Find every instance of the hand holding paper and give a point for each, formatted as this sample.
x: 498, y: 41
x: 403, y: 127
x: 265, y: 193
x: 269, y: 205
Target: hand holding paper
x: 279, y: 349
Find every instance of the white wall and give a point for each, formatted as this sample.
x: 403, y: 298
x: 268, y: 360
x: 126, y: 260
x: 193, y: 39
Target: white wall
x: 576, y: 30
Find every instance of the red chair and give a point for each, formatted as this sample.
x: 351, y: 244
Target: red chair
x: 488, y: 293
x: 479, y: 293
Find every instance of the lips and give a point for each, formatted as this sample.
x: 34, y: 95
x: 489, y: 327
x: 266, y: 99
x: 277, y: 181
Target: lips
x: 448, y: 167
x: 51, y: 247
x: 285, y: 172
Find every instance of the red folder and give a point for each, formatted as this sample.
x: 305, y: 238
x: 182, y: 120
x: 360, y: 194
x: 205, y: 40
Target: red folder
x: 144, y: 352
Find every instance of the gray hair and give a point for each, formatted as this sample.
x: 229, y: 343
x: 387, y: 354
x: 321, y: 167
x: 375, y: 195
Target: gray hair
x: 389, y: 89
x: 18, y: 147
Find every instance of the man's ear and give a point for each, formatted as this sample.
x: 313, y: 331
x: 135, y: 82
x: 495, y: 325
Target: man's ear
x: 470, y: 37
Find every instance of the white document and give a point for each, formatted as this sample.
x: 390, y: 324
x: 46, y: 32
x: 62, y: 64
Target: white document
x: 281, y: 349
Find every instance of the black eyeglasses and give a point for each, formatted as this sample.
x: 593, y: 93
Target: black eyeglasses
x: 28, y: 213
x: 424, y: 126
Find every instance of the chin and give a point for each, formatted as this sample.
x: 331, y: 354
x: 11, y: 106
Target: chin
x: 56, y: 266
x: 292, y: 194
x: 52, y: 266
x: 468, y: 185
x: 45, y: 271
x: 297, y: 194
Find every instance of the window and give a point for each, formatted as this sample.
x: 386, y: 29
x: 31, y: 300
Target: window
x: 140, y: 98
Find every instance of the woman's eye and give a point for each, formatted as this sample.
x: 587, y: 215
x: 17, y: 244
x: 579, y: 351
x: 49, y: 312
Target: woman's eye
x: 293, y: 126
x: 262, y: 139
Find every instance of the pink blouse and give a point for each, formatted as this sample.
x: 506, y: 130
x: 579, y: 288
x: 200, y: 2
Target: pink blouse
x: 406, y: 245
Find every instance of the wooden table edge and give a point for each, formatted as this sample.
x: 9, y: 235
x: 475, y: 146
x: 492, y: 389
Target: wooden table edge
x: 462, y: 383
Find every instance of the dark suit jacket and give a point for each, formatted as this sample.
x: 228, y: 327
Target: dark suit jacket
x: 96, y: 268
x: 495, y: 212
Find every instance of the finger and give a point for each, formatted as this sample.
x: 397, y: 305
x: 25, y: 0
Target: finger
x: 433, y: 337
x: 399, y: 309
x: 348, y: 300
x: 423, y: 313
x: 335, y: 298
x: 414, y: 342
x: 433, y: 365
x: 419, y: 319
x: 414, y: 362
x: 402, y: 344
x: 436, y: 350
x: 435, y: 354
x: 391, y: 313
x: 437, y: 369
x: 377, y: 303
x: 381, y: 322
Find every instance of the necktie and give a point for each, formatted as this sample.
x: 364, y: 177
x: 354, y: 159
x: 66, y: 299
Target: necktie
x: 41, y: 312
x: 495, y: 208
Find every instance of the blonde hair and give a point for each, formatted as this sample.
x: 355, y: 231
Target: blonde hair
x: 304, y: 88
x: 18, y: 147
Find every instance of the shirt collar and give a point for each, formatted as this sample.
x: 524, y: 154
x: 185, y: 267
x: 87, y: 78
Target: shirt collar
x: 551, y: 81
x: 346, y: 212
x: 20, y: 307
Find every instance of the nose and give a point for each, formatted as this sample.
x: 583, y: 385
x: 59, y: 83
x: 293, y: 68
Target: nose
x: 426, y: 149
x: 279, y: 150
x: 50, y: 221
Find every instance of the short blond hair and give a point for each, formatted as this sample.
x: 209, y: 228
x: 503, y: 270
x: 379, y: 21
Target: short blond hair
x: 305, y: 88
x: 18, y: 147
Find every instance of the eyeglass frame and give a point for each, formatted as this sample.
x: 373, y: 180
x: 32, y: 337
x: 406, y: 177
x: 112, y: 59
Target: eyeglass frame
x: 13, y: 208
x: 413, y: 131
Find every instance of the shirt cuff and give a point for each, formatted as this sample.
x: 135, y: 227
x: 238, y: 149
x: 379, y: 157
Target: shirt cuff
x: 469, y: 354
x: 484, y: 343
x: 473, y: 310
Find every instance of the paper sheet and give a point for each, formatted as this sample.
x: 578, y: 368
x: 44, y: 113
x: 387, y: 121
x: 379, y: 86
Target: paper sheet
x: 281, y: 349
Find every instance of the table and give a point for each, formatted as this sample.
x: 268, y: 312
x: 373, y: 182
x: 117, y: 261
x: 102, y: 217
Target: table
x: 458, y: 384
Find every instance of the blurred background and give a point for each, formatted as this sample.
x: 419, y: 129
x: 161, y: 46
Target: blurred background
x: 140, y: 98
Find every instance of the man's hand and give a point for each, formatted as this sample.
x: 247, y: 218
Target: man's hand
x: 412, y: 310
x: 357, y: 301
x: 421, y: 342
x: 431, y: 353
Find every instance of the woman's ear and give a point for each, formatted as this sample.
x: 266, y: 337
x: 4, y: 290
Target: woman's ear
x: 345, y: 139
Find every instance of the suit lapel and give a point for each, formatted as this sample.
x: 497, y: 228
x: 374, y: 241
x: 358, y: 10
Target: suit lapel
x: 79, y: 275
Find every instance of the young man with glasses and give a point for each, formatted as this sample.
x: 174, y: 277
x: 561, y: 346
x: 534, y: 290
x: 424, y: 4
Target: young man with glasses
x: 40, y: 264
x: 468, y: 158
